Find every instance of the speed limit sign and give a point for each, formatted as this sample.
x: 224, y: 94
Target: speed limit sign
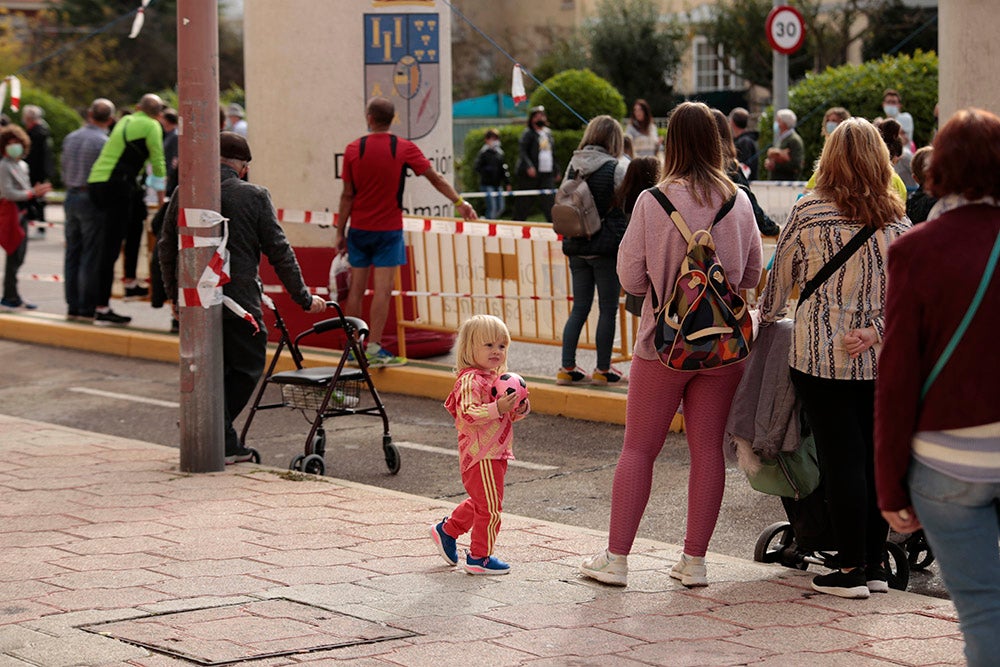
x: 786, y: 31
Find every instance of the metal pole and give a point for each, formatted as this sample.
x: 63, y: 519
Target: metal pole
x: 202, y: 410
x: 779, y: 64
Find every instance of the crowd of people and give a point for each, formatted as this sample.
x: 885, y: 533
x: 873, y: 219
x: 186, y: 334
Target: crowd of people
x: 885, y: 353
x: 886, y: 339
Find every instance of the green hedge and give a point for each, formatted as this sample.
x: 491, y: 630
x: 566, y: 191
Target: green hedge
x: 858, y: 88
x: 566, y: 142
x: 585, y: 92
x: 61, y: 119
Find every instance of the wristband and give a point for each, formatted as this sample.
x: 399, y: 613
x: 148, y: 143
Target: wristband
x: 459, y: 201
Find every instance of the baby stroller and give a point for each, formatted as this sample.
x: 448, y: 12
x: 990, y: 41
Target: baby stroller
x: 324, y: 392
x: 806, y: 539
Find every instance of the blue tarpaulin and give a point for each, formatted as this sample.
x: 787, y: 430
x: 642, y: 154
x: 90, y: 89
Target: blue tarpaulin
x: 496, y: 105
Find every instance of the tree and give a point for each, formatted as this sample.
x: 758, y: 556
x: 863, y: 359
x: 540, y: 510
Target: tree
x: 902, y: 30
x: 831, y: 30
x: 635, y: 51
x: 144, y: 64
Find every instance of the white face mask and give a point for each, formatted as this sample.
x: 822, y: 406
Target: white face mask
x: 14, y: 151
x: 891, y: 110
x: 776, y: 128
x: 831, y: 125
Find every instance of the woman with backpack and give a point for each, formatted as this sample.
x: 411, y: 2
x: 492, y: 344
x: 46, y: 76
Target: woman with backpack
x: 592, y: 260
x: 837, y: 335
x: 649, y: 261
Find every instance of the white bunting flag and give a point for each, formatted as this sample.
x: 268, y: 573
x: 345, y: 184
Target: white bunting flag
x: 138, y: 20
x: 517, y: 86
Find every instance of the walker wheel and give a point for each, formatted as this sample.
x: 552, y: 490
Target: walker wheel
x: 296, y: 463
x: 254, y: 455
x: 319, y: 442
x: 314, y: 465
x: 392, y: 461
x: 772, y: 542
x: 918, y: 552
x: 897, y: 566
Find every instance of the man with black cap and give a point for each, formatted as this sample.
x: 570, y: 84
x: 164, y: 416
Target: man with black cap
x: 253, y: 229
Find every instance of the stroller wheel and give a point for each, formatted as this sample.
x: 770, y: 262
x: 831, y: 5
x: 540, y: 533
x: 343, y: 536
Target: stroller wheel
x: 314, y: 465
x: 897, y: 566
x: 296, y: 463
x: 918, y: 552
x: 772, y: 542
x: 392, y: 461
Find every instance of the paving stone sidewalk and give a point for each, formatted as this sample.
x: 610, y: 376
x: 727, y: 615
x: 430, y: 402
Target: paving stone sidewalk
x: 111, y: 556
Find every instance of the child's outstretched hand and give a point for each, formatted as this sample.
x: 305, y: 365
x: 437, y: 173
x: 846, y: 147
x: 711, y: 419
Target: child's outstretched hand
x: 506, y: 403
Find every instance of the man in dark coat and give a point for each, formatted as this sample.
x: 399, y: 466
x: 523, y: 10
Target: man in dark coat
x: 253, y: 229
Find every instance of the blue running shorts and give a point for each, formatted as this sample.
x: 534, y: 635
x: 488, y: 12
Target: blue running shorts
x: 366, y: 248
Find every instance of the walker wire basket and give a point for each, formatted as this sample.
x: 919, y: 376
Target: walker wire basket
x: 345, y: 395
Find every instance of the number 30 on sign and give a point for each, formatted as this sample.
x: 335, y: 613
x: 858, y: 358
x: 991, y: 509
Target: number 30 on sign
x: 786, y: 30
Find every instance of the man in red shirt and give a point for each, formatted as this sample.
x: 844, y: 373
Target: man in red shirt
x: 374, y: 176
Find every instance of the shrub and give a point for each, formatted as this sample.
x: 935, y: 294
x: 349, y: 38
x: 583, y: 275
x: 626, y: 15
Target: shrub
x: 858, y: 88
x: 61, y: 119
x: 585, y: 92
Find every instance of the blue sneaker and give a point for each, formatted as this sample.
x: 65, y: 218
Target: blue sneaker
x: 445, y: 543
x: 490, y: 565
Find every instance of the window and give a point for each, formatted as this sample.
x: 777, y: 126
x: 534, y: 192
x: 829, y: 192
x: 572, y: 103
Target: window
x: 712, y: 69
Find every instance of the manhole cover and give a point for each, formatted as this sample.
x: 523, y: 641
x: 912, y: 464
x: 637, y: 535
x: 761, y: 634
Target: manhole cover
x: 251, y: 631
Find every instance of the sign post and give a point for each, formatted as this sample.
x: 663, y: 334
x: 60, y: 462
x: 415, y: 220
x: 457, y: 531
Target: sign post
x: 786, y: 32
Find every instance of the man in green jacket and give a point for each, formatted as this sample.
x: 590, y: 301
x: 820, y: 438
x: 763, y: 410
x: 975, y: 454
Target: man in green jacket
x: 115, y: 186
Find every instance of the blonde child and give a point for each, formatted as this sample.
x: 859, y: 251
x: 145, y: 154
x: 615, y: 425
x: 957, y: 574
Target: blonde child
x: 485, y: 434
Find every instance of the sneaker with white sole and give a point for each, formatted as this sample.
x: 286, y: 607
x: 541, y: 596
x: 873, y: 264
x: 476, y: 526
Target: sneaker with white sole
x: 610, y: 376
x: 690, y: 570
x: 490, y: 565
x: 241, y: 455
x: 570, y: 376
x: 876, y: 579
x: 842, y: 584
x: 445, y: 543
x: 606, y: 568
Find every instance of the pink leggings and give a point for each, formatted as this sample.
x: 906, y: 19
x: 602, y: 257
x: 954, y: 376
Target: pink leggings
x: 654, y: 393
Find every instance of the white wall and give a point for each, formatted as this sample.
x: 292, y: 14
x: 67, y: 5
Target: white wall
x: 306, y: 92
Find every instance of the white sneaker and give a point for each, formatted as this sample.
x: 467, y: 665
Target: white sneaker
x: 690, y: 570
x: 607, y: 568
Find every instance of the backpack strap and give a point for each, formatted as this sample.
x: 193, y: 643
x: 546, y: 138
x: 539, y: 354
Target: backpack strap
x: 837, y: 261
x: 678, y: 219
x: 672, y: 212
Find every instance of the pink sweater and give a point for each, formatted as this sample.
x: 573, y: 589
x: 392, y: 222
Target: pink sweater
x: 483, y: 433
x: 652, y: 249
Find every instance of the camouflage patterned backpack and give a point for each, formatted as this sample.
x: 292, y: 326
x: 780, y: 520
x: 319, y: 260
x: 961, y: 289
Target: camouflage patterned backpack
x: 705, y: 323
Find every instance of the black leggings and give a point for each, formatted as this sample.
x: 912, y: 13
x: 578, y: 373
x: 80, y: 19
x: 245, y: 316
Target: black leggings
x: 842, y: 416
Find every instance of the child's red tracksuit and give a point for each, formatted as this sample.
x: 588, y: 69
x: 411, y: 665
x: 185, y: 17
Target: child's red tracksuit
x: 484, y: 447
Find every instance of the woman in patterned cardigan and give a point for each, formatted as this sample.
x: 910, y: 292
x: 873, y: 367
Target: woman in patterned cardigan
x: 837, y: 337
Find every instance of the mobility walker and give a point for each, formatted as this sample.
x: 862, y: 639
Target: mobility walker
x: 324, y: 392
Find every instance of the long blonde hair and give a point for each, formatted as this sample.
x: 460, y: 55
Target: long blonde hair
x: 476, y: 331
x: 692, y: 152
x: 854, y: 172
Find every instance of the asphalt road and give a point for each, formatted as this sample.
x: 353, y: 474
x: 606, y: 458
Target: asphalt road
x: 564, y: 471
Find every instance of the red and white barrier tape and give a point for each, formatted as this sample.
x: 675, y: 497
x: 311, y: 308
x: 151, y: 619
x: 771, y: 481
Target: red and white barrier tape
x: 437, y: 226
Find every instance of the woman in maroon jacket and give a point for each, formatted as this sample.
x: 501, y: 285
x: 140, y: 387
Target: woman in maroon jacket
x: 937, y: 447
